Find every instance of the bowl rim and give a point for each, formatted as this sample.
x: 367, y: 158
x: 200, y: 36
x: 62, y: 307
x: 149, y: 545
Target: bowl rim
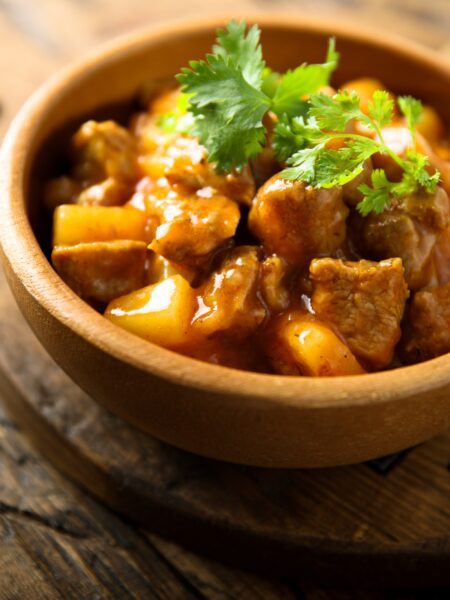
x: 40, y: 280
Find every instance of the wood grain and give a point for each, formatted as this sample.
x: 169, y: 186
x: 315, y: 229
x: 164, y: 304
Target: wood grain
x: 57, y: 542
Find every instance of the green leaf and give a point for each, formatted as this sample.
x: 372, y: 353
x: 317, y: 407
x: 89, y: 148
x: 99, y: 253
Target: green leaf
x: 416, y: 171
x: 412, y: 110
x: 228, y: 110
x: 225, y: 98
x: 270, y: 81
x: 179, y: 120
x: 381, y: 108
x: 244, y: 50
x: 333, y: 113
x: 303, y: 165
x: 377, y: 197
x: 303, y: 81
x: 291, y: 135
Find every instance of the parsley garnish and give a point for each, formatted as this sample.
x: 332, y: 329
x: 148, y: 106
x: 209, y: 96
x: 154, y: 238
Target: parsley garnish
x: 317, y: 164
x: 230, y: 92
x: 225, y: 97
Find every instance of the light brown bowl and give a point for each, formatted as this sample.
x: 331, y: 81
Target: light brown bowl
x: 223, y: 413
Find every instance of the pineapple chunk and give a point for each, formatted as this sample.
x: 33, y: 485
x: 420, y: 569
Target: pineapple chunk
x: 78, y: 224
x: 160, y: 313
x: 299, y: 345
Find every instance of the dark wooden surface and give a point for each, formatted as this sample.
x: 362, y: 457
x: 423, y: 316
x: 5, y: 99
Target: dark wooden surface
x: 55, y: 540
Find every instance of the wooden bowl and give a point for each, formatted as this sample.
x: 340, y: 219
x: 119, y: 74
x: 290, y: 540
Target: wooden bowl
x: 238, y: 416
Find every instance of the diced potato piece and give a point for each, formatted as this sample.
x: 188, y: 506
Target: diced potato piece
x: 73, y: 224
x: 299, y: 345
x: 102, y: 271
x: 160, y: 313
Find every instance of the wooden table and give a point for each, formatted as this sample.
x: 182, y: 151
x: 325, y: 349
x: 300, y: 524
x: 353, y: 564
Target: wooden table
x: 56, y: 541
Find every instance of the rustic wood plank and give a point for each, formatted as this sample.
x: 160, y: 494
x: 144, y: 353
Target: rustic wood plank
x: 57, y: 542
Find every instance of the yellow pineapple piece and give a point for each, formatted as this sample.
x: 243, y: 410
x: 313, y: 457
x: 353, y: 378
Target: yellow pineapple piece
x: 160, y: 313
x: 73, y: 224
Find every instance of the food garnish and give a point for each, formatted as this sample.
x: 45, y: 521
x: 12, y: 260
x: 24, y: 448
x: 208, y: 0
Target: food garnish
x: 321, y: 166
x: 226, y: 96
x: 229, y: 93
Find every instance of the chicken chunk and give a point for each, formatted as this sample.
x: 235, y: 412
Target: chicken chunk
x: 297, y: 344
x: 265, y: 164
x: 408, y: 230
x: 273, y: 283
x: 229, y: 302
x: 296, y: 221
x: 441, y: 259
x: 191, y: 225
x: 427, y: 328
x: 61, y: 190
x: 182, y: 159
x: 102, y: 271
x: 352, y: 195
x: 110, y: 192
x: 364, y: 301
x: 104, y: 149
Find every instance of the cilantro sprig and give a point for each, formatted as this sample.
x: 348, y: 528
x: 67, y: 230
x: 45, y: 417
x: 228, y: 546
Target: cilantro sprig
x: 316, y: 161
x: 230, y: 92
x: 225, y: 98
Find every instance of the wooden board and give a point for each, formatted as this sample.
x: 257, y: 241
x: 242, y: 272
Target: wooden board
x: 343, y: 526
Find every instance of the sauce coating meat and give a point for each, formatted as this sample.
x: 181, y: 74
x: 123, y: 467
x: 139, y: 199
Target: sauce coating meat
x: 364, y: 301
x: 246, y: 268
x: 296, y: 221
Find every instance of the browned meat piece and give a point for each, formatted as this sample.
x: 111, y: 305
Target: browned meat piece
x: 102, y: 150
x: 102, y: 271
x: 427, y: 328
x: 273, y: 283
x: 265, y: 164
x: 191, y: 225
x: 61, y: 190
x: 229, y: 302
x: 297, y: 221
x: 110, y: 192
x: 350, y: 190
x: 441, y: 259
x: 364, y: 301
x: 408, y: 230
x: 181, y: 159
